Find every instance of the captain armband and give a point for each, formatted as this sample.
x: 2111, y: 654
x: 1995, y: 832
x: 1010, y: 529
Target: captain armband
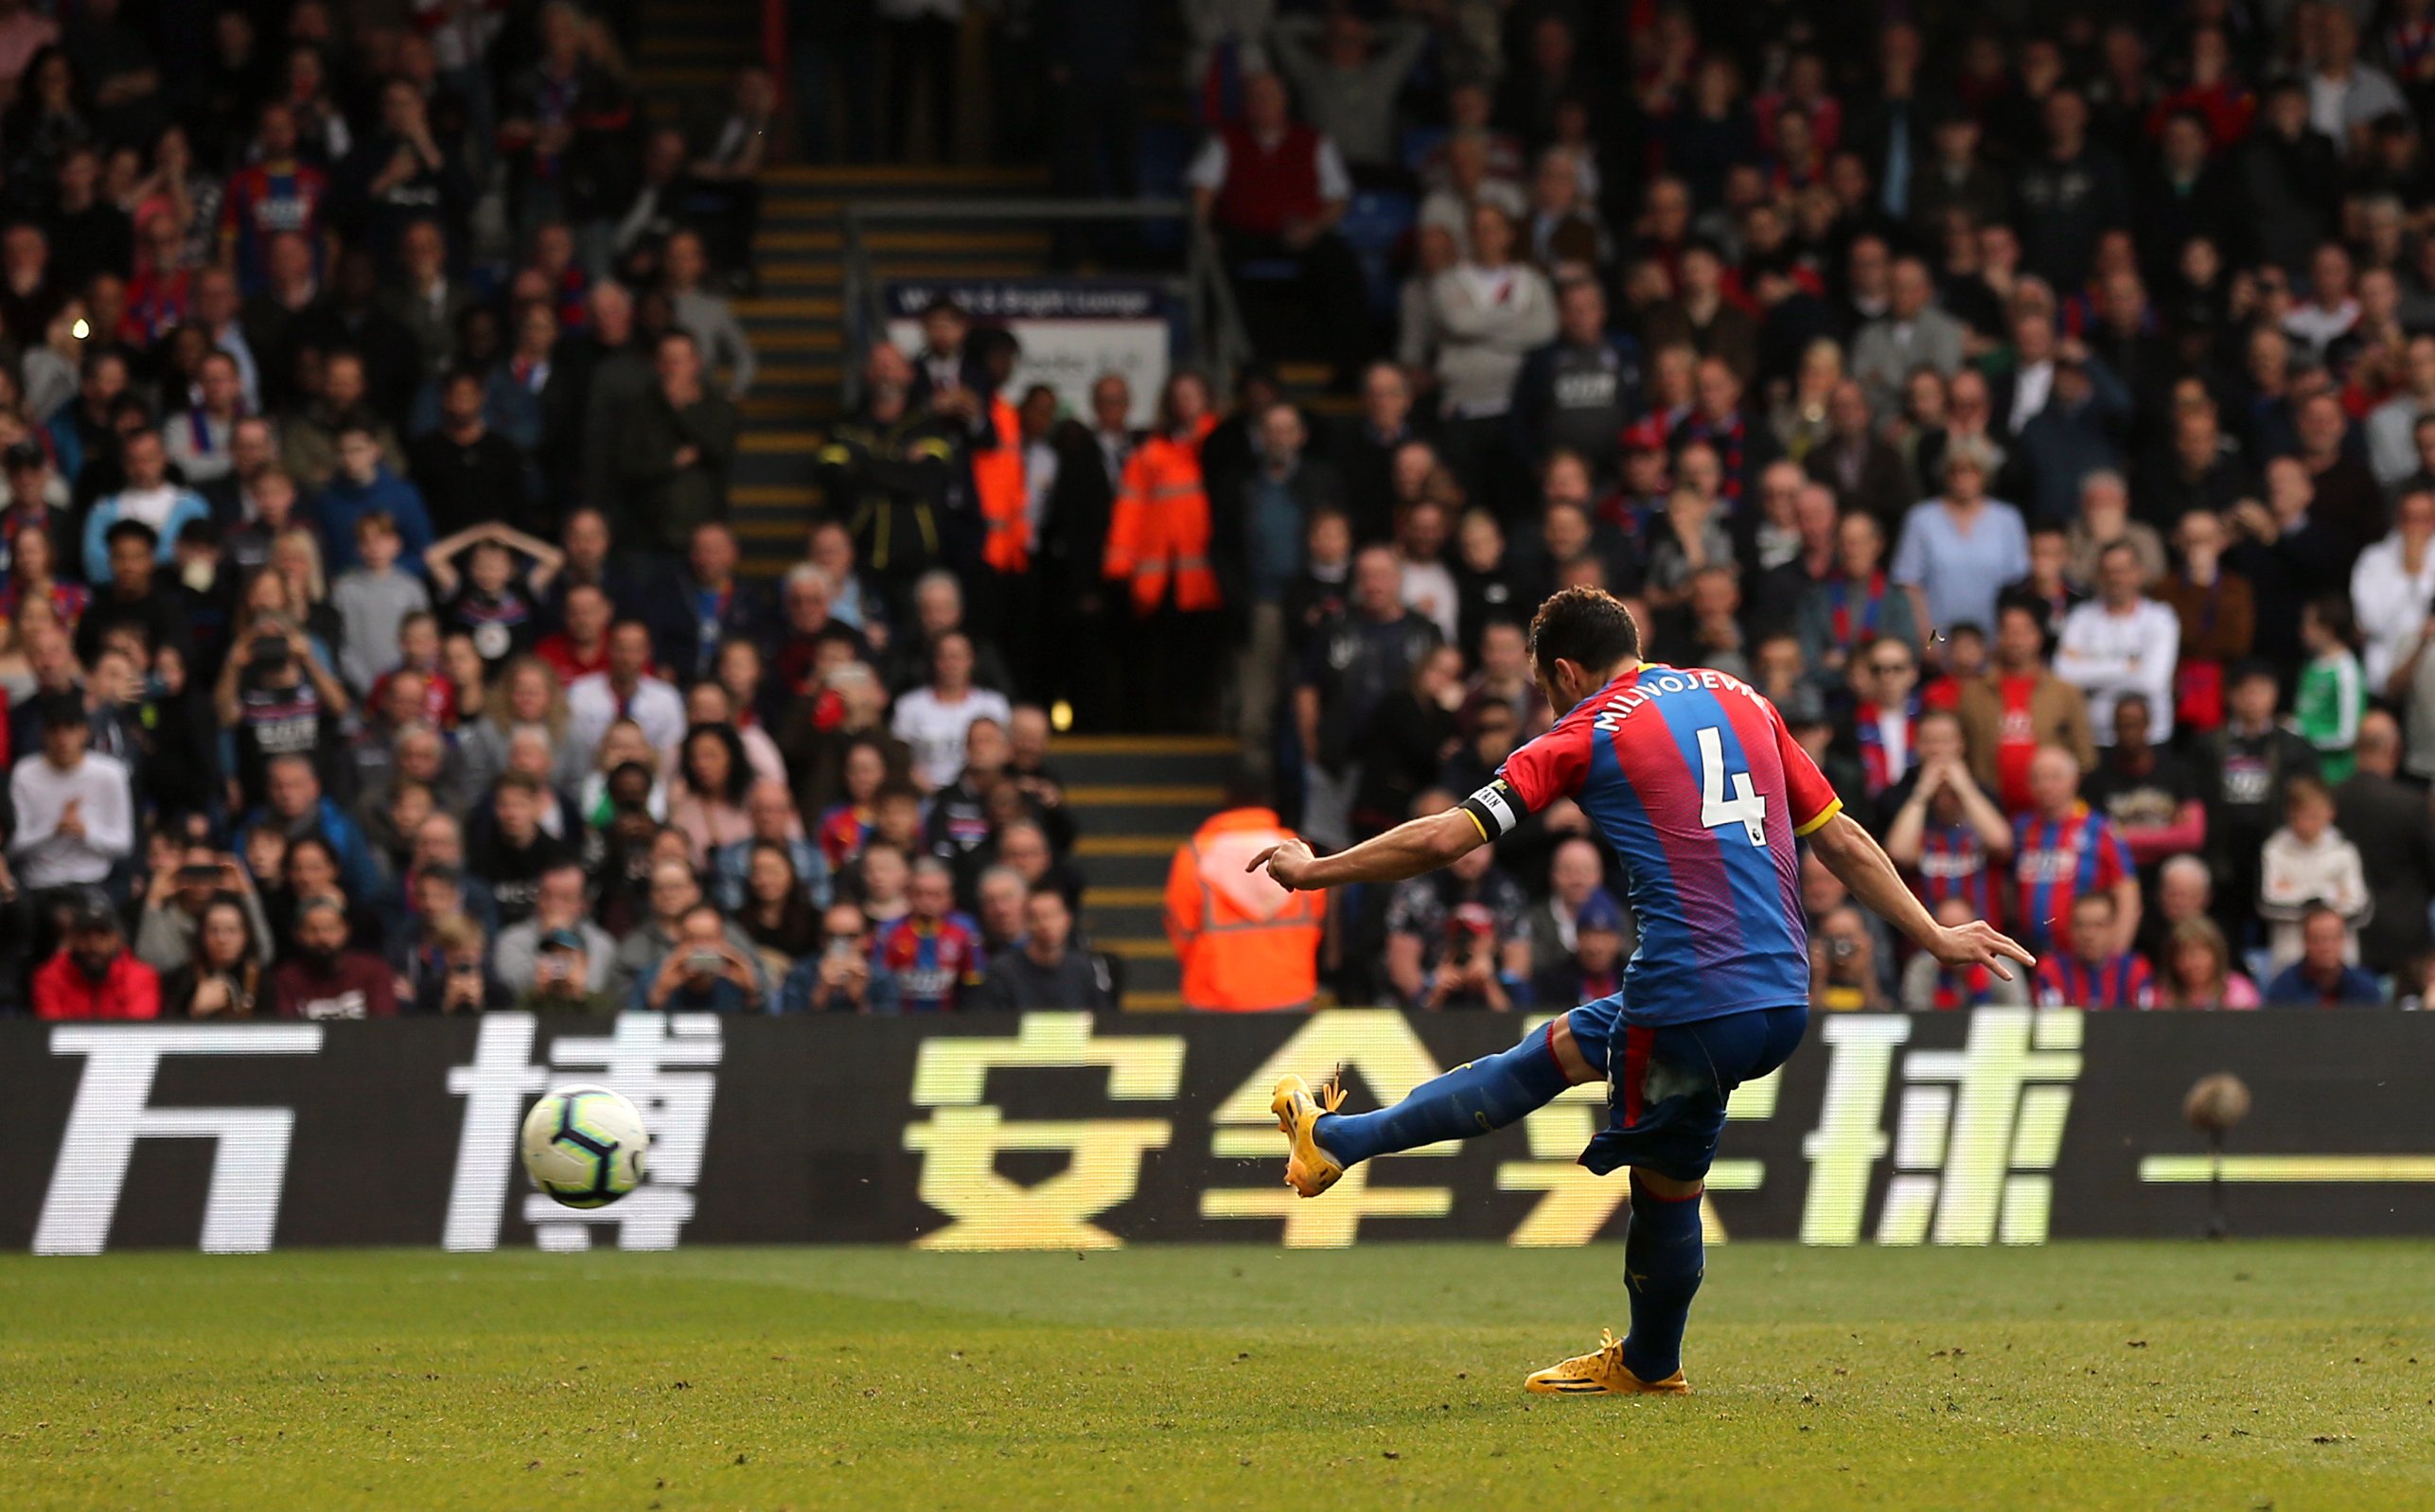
x: 1496, y: 809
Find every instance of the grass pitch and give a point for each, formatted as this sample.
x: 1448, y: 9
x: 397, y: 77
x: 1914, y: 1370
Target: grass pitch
x: 2236, y: 1376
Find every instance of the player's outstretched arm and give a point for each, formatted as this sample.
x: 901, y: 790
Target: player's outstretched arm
x: 1406, y: 851
x: 1853, y: 855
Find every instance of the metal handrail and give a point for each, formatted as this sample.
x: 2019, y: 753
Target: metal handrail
x: 1220, y: 344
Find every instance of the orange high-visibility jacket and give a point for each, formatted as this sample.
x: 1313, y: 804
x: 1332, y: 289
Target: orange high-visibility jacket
x: 1245, y: 944
x: 1160, y: 524
x: 997, y: 480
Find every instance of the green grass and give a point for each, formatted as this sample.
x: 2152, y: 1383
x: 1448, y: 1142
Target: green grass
x: 2077, y: 1376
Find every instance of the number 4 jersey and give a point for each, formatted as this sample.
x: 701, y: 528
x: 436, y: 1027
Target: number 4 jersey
x: 1698, y: 786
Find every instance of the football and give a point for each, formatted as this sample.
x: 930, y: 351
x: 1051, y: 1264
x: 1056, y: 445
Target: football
x: 584, y: 1146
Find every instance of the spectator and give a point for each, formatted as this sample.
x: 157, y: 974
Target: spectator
x: 2308, y: 868
x: 1592, y: 966
x: 94, y: 974
x: 932, y: 955
x: 464, y: 983
x: 1490, y: 311
x: 324, y: 977
x: 839, y: 978
x: 188, y: 881
x: 1866, y: 472
x: 2323, y: 977
x: 2197, y: 970
x: 2333, y: 694
x: 2243, y: 770
x: 1959, y: 549
x: 2119, y: 643
x: 2147, y: 790
x: 674, y: 898
x: 373, y: 600
x: 933, y: 719
x: 149, y: 499
x: 1244, y: 944
x: 1843, y: 964
x: 220, y: 974
x: 624, y: 689
x: 1580, y: 389
x: 564, y: 977
x: 73, y: 809
x: 1912, y: 334
x: 363, y: 485
x: 2062, y: 851
x: 1946, y: 834
x: 2019, y: 707
x: 560, y: 904
x: 472, y: 473
x: 702, y: 971
x: 1455, y: 937
x: 2096, y: 971
x: 1044, y: 969
x: 2391, y: 585
x: 719, y: 336
x: 673, y: 460
x: 1274, y: 190
x: 2387, y: 819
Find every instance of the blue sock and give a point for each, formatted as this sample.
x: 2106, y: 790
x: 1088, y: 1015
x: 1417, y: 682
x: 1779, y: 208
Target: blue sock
x: 1662, y: 1258
x: 1470, y: 1100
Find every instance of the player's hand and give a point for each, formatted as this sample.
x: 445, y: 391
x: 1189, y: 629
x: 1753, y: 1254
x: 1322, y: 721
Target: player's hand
x: 1288, y: 862
x: 1980, y: 943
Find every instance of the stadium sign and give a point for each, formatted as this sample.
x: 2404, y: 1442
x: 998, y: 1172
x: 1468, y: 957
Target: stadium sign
x: 1072, y: 331
x: 1065, y: 1131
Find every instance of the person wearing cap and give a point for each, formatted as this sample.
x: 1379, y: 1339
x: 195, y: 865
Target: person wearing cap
x: 74, y: 808
x: 94, y: 974
x: 562, y: 978
x: 323, y: 978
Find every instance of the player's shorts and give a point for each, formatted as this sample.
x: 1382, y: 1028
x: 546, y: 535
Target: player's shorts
x: 1666, y: 1083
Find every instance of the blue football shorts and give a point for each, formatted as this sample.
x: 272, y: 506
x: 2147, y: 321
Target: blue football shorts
x: 1666, y: 1083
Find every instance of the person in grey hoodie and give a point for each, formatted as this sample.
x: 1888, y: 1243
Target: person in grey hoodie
x: 1488, y: 312
x: 707, y: 317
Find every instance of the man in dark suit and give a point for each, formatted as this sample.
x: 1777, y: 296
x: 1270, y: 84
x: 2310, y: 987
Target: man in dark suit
x: 1073, y: 539
x: 696, y: 611
x: 1364, y: 446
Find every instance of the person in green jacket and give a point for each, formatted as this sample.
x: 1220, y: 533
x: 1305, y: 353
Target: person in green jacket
x: 672, y: 462
x: 2333, y: 690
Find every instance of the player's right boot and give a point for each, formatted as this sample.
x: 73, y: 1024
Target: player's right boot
x: 1309, y: 1168
x: 1601, y: 1371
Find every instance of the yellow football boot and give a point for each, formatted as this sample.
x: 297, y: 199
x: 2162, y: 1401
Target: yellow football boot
x: 1308, y: 1169
x: 1602, y: 1371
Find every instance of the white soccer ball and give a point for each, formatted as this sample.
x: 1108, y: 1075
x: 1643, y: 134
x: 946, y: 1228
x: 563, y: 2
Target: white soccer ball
x: 584, y: 1146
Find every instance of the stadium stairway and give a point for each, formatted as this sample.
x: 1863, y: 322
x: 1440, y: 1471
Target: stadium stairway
x: 1136, y: 800
x: 797, y: 318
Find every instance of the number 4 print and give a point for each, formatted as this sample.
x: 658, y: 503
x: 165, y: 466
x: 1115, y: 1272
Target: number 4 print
x: 1746, y: 808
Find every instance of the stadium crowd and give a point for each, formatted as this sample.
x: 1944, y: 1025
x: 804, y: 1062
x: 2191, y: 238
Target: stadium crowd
x: 2043, y: 418
x: 2039, y: 406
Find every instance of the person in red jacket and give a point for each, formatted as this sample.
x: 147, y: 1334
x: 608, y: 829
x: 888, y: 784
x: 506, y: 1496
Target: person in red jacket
x: 94, y: 974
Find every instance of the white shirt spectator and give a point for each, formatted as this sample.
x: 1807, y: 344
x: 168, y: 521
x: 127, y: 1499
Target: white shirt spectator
x: 2391, y: 603
x: 1429, y: 591
x: 592, y: 706
x: 935, y: 729
x: 2105, y: 655
x: 2295, y: 875
x: 40, y: 794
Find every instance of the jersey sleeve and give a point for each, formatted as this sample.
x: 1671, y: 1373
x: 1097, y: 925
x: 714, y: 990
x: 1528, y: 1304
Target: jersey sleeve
x: 1805, y: 788
x: 1541, y: 772
x: 2113, y: 854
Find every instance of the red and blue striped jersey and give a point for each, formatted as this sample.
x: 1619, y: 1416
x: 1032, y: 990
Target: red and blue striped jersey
x: 2065, y: 980
x: 1699, y: 790
x: 931, y: 964
x: 261, y: 202
x: 1953, y: 863
x: 2054, y: 861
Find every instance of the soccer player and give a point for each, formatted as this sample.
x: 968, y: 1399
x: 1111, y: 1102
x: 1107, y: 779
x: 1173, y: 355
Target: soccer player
x: 1697, y: 784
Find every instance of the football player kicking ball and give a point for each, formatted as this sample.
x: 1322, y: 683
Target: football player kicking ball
x: 1696, y: 783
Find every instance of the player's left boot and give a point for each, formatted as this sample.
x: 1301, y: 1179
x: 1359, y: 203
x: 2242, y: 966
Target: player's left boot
x: 1602, y: 1370
x: 1308, y: 1169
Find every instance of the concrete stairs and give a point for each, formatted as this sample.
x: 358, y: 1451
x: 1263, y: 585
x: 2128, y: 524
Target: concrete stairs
x: 1136, y: 800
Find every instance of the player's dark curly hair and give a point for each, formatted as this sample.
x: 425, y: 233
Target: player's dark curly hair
x: 1583, y: 624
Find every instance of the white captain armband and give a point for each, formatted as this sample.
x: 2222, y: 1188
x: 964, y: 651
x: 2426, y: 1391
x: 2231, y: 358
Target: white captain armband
x: 1496, y: 809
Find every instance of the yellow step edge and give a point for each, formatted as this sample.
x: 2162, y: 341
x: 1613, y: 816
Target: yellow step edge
x: 765, y: 530
x: 1134, y: 795
x: 1135, y: 947
x: 1113, y: 845
x: 1148, y: 745
x: 1153, y: 1002
x: 785, y: 305
x: 778, y: 443
x: 772, y: 493
x: 782, y: 340
x: 1124, y: 898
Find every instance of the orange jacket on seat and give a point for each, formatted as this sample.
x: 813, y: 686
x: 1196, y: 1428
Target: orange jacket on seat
x: 1245, y: 944
x: 1161, y: 525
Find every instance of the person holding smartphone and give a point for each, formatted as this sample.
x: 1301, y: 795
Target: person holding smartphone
x: 186, y: 880
x: 701, y: 973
